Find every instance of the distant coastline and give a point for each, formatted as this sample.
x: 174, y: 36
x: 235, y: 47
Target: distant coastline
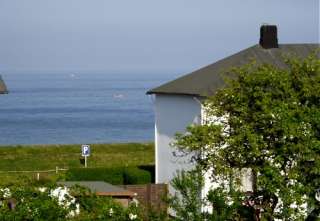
x: 3, y: 87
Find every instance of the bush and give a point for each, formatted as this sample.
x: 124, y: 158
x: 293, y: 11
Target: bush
x: 30, y: 204
x: 151, y: 169
x: 113, y: 175
x: 134, y: 175
x: 33, y: 204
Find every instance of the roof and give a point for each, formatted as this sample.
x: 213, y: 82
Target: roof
x: 100, y: 188
x: 205, y: 81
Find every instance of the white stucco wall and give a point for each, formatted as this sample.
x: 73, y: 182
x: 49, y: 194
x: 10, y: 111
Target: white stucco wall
x: 172, y: 114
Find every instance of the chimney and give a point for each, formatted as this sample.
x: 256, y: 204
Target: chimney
x: 268, y: 36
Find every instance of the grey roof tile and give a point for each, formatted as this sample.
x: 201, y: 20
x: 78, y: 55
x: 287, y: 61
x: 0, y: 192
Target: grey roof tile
x: 99, y: 187
x: 205, y: 81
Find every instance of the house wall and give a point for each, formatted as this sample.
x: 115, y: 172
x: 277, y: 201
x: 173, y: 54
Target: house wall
x: 173, y: 114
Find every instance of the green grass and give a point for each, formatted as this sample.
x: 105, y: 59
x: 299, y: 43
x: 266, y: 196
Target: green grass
x: 47, y: 157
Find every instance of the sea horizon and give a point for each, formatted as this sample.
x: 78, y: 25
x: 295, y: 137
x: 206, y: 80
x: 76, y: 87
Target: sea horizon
x: 78, y: 108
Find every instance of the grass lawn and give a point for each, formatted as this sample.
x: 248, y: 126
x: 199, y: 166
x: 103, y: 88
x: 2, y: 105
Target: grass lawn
x: 48, y: 157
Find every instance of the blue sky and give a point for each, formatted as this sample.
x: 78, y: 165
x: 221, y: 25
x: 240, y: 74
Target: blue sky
x: 142, y: 35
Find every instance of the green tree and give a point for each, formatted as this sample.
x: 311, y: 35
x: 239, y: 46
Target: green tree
x: 187, y: 203
x: 267, y: 120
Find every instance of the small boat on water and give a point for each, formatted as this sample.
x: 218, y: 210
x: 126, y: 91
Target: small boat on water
x: 118, y: 96
x: 3, y: 87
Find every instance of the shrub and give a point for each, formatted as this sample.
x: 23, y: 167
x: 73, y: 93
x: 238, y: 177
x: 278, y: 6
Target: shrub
x: 30, y: 204
x: 113, y: 175
x: 151, y: 169
x: 134, y: 175
x: 33, y: 204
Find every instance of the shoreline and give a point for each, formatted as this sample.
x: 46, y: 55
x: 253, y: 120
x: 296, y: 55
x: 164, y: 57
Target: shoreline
x: 73, y: 144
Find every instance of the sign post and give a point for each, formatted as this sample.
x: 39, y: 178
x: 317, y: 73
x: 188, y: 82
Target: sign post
x: 317, y: 195
x: 85, y: 152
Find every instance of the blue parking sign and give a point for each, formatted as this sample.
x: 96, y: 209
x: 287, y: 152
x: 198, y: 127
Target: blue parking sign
x: 85, y: 150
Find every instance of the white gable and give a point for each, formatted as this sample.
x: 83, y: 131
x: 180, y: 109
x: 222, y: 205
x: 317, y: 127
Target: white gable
x: 172, y: 114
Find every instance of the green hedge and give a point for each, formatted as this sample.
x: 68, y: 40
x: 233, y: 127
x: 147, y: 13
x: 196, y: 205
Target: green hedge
x: 110, y: 175
x: 113, y: 175
x: 151, y: 169
x: 134, y: 175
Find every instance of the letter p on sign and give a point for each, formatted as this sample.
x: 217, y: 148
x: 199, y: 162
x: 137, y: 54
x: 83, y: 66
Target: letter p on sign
x: 85, y: 150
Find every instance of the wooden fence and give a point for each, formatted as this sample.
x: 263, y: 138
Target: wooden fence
x: 151, y: 195
x: 34, y: 171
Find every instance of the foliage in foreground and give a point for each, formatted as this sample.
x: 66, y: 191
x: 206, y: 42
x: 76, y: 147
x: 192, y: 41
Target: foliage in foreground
x: 265, y: 121
x: 218, y: 205
x: 186, y: 203
x: 34, y: 203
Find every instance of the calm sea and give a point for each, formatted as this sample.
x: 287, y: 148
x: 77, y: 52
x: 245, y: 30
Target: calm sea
x: 78, y: 108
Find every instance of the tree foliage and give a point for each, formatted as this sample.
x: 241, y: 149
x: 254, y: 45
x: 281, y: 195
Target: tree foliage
x: 29, y: 203
x: 187, y: 203
x: 266, y: 119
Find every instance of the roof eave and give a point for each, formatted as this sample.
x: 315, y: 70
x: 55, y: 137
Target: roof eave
x: 174, y: 93
x: 117, y: 194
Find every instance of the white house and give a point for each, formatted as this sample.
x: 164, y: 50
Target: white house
x: 178, y: 102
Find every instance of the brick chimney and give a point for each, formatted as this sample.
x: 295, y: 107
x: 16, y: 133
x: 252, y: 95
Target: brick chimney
x: 268, y: 36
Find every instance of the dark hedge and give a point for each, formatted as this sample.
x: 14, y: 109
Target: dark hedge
x: 134, y: 175
x: 113, y: 175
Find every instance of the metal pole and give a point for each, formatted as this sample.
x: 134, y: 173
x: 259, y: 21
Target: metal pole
x: 85, y: 161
